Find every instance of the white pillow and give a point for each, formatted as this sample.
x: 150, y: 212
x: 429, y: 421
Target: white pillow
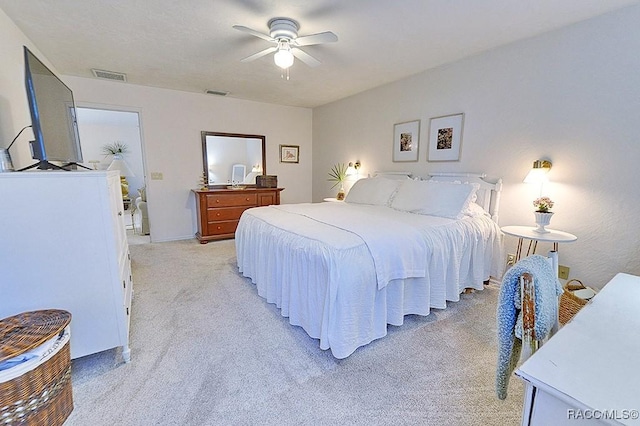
x: 434, y: 198
x: 475, y: 210
x: 376, y: 191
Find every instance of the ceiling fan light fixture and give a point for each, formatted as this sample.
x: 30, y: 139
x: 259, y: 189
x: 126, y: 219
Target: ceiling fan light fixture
x: 283, y: 58
x: 283, y: 33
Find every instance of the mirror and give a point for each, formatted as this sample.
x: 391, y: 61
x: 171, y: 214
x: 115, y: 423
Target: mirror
x: 233, y: 158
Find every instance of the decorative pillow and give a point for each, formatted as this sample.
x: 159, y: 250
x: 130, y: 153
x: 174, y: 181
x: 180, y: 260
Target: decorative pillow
x: 475, y: 210
x: 444, y: 199
x: 376, y: 191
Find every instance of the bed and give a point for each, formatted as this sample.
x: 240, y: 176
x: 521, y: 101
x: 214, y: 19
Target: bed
x: 396, y: 246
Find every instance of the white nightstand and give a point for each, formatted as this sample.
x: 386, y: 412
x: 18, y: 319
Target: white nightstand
x: 528, y: 232
x: 333, y: 200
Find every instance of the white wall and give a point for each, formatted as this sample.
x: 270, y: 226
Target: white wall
x: 571, y: 96
x: 171, y: 124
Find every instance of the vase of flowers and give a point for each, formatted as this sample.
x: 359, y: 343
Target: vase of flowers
x: 543, y: 214
x: 338, y: 174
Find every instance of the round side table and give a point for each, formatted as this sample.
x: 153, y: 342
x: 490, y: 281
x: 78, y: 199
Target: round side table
x: 522, y: 232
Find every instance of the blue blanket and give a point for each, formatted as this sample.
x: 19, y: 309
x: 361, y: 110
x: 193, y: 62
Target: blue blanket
x: 547, y: 290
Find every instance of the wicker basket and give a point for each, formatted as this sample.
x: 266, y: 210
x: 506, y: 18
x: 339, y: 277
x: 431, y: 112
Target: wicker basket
x: 38, y: 391
x: 570, y: 304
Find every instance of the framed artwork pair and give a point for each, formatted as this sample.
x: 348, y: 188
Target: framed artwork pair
x: 445, y: 139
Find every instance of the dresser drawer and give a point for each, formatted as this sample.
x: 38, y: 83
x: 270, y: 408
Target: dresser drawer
x: 231, y: 200
x: 219, y: 210
x: 229, y: 213
x: 224, y: 227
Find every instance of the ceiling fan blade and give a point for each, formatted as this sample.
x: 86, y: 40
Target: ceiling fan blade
x: 253, y: 32
x: 305, y: 57
x: 325, y: 37
x: 260, y: 54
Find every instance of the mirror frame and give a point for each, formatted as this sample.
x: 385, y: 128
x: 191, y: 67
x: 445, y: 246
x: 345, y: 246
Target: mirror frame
x: 205, y: 163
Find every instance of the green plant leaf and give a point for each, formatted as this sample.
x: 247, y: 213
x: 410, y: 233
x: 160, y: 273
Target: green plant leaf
x: 337, y: 174
x: 114, y: 148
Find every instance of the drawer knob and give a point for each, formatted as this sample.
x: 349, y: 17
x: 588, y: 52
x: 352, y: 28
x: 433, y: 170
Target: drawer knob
x: 247, y: 199
x: 217, y: 214
x: 217, y: 201
x: 219, y: 227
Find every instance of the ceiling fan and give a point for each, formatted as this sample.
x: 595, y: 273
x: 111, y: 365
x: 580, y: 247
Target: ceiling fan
x: 284, y: 33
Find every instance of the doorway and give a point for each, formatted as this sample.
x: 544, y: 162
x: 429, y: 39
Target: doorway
x: 100, y: 128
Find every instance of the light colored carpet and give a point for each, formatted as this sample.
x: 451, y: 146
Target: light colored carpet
x: 207, y: 350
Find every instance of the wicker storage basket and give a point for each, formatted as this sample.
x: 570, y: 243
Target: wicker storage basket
x: 38, y: 391
x: 570, y: 304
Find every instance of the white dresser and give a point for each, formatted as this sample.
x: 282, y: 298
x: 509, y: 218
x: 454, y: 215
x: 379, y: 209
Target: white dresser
x: 63, y: 245
x: 588, y: 372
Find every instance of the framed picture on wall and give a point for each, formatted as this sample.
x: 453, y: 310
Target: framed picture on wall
x: 406, y: 141
x: 289, y: 153
x: 445, y: 138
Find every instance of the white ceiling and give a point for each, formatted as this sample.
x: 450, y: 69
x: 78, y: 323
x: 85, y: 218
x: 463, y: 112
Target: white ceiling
x: 191, y: 45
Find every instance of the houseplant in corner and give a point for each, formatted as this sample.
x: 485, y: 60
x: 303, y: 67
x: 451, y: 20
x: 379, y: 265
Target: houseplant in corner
x: 543, y: 214
x: 338, y: 174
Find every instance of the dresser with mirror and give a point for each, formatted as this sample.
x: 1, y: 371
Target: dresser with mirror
x: 231, y: 162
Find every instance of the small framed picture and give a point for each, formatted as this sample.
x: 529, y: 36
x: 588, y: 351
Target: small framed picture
x: 445, y: 138
x: 289, y: 153
x: 406, y: 141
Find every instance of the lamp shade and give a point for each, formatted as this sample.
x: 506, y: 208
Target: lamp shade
x: 350, y: 170
x: 119, y: 164
x: 538, y: 173
x: 536, y: 176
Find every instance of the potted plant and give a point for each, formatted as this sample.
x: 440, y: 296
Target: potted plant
x: 543, y: 214
x: 338, y: 174
x: 116, y: 148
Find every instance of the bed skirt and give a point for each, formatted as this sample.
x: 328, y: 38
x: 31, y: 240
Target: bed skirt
x: 331, y: 291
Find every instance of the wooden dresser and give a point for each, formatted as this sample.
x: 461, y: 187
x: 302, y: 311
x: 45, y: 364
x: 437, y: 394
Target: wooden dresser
x: 219, y: 209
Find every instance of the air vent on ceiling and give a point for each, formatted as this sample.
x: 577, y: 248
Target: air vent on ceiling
x: 109, y: 75
x: 216, y: 92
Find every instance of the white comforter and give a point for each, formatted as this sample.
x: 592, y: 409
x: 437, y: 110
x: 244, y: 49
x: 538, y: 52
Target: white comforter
x: 323, y: 276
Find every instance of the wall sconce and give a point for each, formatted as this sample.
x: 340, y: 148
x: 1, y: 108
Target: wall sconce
x: 538, y: 173
x: 353, y: 168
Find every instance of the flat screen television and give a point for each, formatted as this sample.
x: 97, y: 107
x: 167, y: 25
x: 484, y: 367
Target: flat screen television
x: 53, y: 117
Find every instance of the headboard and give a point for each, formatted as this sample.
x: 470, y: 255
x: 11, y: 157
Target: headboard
x: 488, y: 194
x: 393, y: 175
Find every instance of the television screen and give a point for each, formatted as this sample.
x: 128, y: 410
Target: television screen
x: 53, y: 115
